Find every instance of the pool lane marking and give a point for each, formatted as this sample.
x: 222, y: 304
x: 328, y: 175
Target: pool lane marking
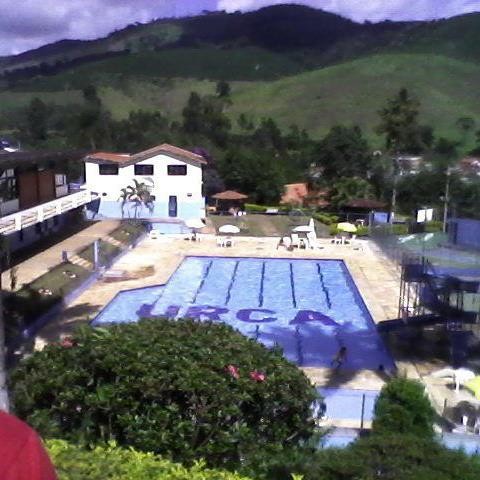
x: 292, y: 284
x: 262, y: 280
x: 205, y: 275
x: 324, y: 288
x: 232, y: 281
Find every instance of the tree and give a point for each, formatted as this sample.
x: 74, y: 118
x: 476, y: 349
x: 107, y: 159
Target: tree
x: 399, y: 124
x: 257, y: 173
x: 37, y: 115
x: 344, y: 152
x: 222, y: 89
x: 349, y: 188
x: 404, y: 408
x: 204, y: 116
x: 137, y: 195
x: 465, y: 125
x: 91, y: 126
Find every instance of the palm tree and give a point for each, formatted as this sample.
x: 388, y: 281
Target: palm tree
x: 137, y: 195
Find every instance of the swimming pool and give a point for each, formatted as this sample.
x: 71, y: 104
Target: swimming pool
x: 310, y: 308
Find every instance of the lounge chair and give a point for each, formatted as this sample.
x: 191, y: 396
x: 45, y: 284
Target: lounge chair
x: 295, y: 240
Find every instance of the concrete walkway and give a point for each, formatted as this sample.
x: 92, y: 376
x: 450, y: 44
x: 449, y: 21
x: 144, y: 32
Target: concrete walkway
x: 34, y: 267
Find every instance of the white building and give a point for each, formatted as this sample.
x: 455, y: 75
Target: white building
x: 172, y: 175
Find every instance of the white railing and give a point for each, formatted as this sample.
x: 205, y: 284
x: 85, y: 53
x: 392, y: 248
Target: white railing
x: 30, y: 216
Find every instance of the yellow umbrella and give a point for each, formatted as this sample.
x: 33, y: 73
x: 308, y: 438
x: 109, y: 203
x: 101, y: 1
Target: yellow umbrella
x: 347, y: 227
x: 474, y: 386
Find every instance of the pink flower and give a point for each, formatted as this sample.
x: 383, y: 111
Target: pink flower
x: 67, y: 342
x: 233, y: 371
x: 258, y: 376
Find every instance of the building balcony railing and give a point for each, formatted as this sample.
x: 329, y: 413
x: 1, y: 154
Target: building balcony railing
x: 26, y: 218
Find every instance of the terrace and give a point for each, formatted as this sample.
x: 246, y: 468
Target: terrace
x: 26, y: 218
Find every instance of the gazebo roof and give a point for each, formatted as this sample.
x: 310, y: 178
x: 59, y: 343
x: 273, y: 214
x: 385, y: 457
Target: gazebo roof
x: 230, y: 195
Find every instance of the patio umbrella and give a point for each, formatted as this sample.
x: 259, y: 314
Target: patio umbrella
x: 303, y: 229
x: 195, y: 223
x: 347, y: 227
x: 229, y: 229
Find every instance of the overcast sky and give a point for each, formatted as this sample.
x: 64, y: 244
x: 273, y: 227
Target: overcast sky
x: 27, y: 24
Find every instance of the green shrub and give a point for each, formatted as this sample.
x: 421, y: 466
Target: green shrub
x: 115, y: 463
x: 403, y: 408
x: 169, y: 387
x: 326, y: 218
x: 433, y: 227
x: 362, y: 231
x: 254, y: 208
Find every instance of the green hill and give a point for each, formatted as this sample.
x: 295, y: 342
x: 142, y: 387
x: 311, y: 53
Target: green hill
x: 349, y: 93
x: 296, y: 64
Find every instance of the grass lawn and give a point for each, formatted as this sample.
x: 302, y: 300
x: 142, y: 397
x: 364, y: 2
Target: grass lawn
x: 106, y: 252
x: 29, y: 303
x: 127, y: 232
x: 267, y: 225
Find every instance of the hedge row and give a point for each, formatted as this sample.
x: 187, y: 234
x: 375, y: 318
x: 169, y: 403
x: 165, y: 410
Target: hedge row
x: 116, y: 463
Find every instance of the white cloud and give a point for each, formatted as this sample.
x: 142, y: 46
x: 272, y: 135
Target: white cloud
x: 373, y: 10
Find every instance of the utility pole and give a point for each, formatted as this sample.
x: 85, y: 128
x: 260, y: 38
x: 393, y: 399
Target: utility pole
x: 446, y: 200
x: 394, y: 189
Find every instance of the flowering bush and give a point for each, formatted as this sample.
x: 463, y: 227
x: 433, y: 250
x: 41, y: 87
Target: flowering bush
x: 184, y: 389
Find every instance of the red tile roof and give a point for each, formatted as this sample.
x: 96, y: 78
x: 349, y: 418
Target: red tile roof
x: 294, y: 193
x: 125, y: 159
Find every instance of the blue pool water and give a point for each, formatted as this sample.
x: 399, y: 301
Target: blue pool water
x: 308, y: 307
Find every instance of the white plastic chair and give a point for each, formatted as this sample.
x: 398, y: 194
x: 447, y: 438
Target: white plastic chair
x: 228, y: 242
x: 287, y: 242
x: 220, y: 242
x: 295, y: 240
x: 154, y: 234
x: 312, y: 239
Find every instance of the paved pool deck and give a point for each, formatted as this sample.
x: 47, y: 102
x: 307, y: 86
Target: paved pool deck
x: 375, y: 276
x: 377, y: 283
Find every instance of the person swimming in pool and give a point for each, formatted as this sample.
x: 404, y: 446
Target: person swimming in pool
x: 340, y: 357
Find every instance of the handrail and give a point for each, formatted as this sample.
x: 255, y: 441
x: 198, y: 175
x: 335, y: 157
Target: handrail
x: 30, y: 216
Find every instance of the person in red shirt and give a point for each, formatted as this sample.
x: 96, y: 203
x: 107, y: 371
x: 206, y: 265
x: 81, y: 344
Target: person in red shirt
x: 22, y: 455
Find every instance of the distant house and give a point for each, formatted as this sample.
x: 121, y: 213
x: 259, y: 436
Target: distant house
x: 409, y: 164
x: 35, y: 199
x: 172, y: 175
x: 469, y: 167
x: 299, y: 194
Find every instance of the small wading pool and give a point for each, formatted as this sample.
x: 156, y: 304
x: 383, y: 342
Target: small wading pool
x: 308, y: 307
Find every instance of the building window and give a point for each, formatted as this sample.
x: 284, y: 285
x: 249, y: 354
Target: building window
x: 108, y: 169
x: 60, y: 180
x: 8, y: 186
x: 177, y: 169
x: 143, y: 169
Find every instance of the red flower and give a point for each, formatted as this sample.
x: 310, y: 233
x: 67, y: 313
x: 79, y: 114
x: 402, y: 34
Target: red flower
x: 233, y: 371
x: 67, y: 342
x: 258, y: 376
